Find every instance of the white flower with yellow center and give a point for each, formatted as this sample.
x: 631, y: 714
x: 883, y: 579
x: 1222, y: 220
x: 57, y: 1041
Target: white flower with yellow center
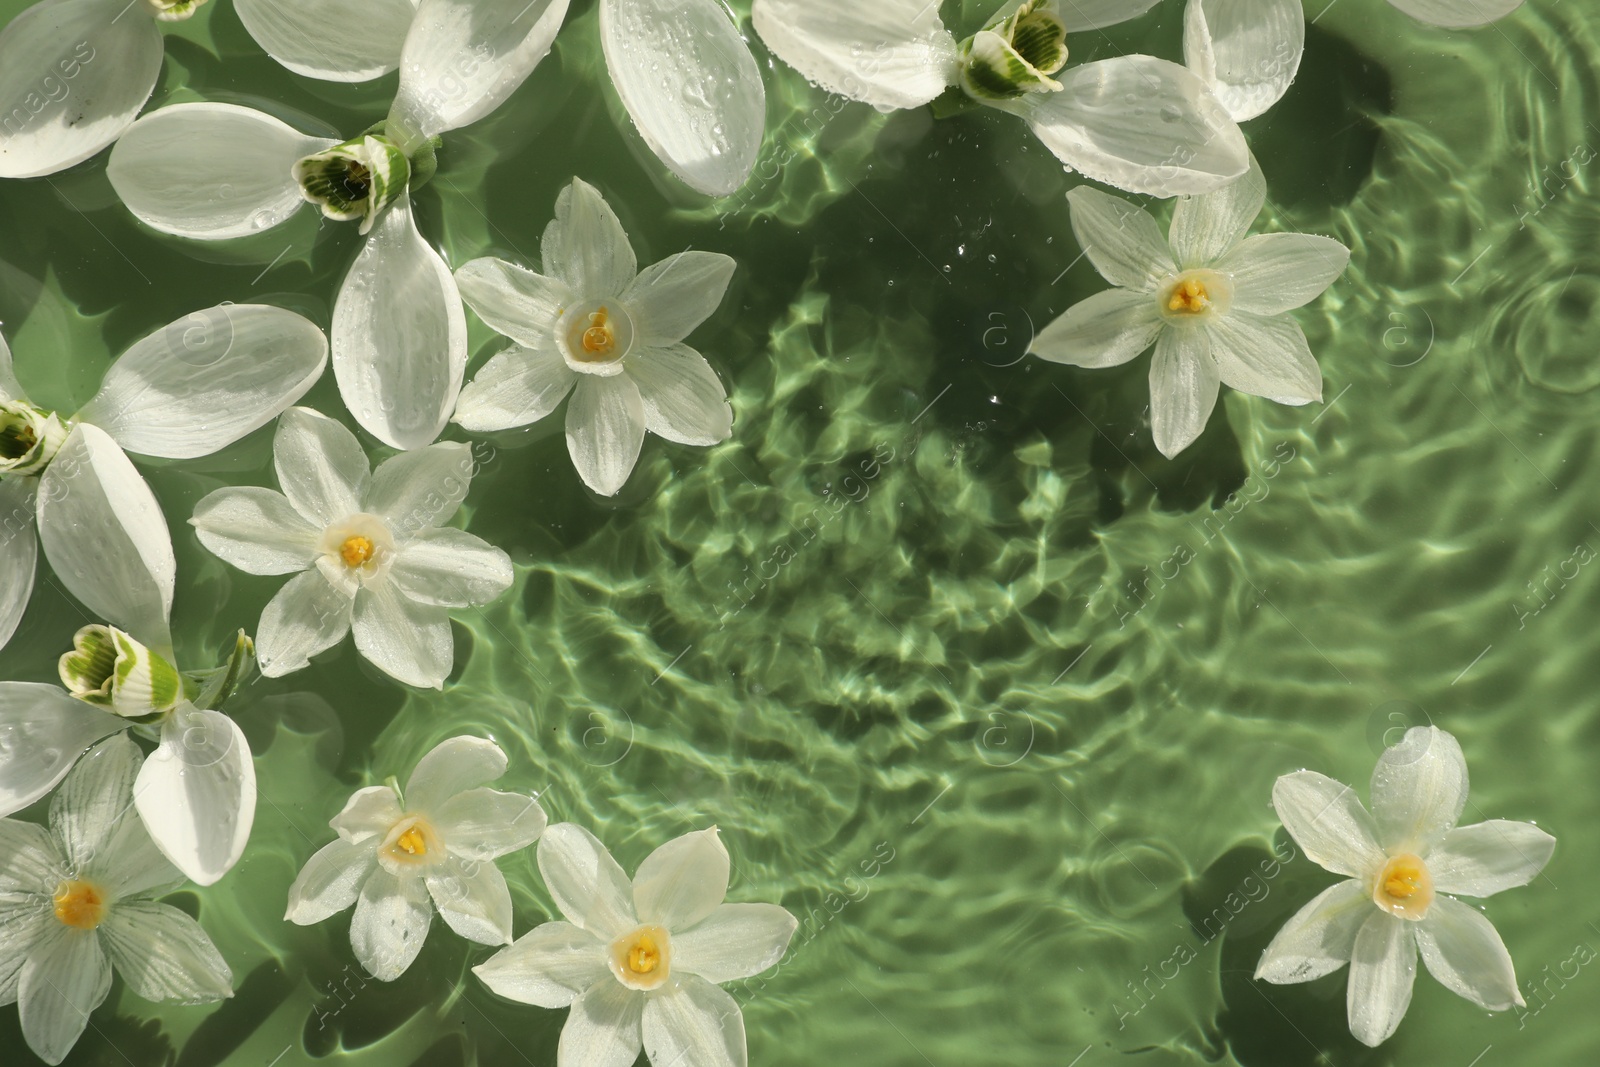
x: 598, y: 328
x: 1400, y: 861
x: 74, y: 903
x: 640, y: 963
x: 1212, y: 301
x: 367, y: 549
x: 400, y: 856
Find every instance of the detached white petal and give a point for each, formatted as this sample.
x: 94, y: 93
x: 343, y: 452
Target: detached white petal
x: 1488, y: 857
x: 197, y: 793
x: 1419, y: 788
x: 451, y: 568
x: 330, y: 881
x: 692, y: 1021
x: 1248, y: 51
x: 67, y: 976
x: 256, y: 530
x: 1277, y: 272
x: 585, y: 882
x: 605, y: 431
x: 669, y: 299
x: 683, y: 881
x: 1457, y: 14
x: 690, y: 85
x: 549, y: 967
x: 45, y: 731
x: 516, y: 387
x: 514, y: 301
x: 890, y: 54
x: 19, y: 551
x: 73, y: 75
x: 335, y: 40
x: 1320, y: 938
x: 735, y: 941
x: 320, y: 465
x: 1464, y: 952
x: 408, y: 641
x: 164, y: 955
x: 1183, y: 388
x: 1265, y: 356
x: 1105, y: 330
x: 210, y: 171
x: 1383, y: 968
x: 1120, y: 239
x: 306, y: 617
x: 390, y: 923
x: 603, y: 1028
x: 1206, y: 226
x: 683, y: 398
x: 1326, y: 819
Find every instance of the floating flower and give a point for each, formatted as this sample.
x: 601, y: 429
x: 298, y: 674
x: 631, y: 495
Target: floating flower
x: 76, y: 904
x: 1247, y: 51
x: 1457, y: 14
x: 610, y: 335
x: 366, y: 548
x: 1400, y: 861
x: 1136, y: 122
x: 217, y: 171
x: 401, y: 855
x: 640, y: 965
x: 1212, y: 301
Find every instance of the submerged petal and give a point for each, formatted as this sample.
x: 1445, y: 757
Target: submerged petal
x: 1080, y: 15
x: 1487, y: 857
x: 550, y: 967
x: 1383, y: 968
x: 1464, y: 952
x: 670, y: 298
x: 419, y: 490
x: 473, y: 899
x: 307, y: 616
x: 585, y: 245
x: 692, y: 1021
x: 684, y: 400
x: 1248, y: 51
x: 1120, y: 239
x: 45, y: 731
x: 92, y: 800
x: 1326, y: 819
x: 1183, y: 388
x: 67, y: 976
x: 1106, y: 330
x: 1457, y: 14
x: 1206, y: 226
x: 320, y: 465
x: 605, y: 431
x: 163, y: 954
x: 451, y: 568
x: 1418, y: 789
x: 516, y: 387
x: 390, y: 923
x: 890, y: 54
x: 603, y: 1028
x: 335, y: 40
x: 256, y: 530
x: 1265, y: 355
x: 330, y: 881
x: 1277, y: 272
x: 197, y: 793
x: 512, y: 300
x: 452, y: 767
x: 484, y: 824
x: 1320, y: 938
x: 408, y: 641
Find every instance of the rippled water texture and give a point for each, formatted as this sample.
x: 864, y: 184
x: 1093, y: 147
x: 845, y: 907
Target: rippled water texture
x: 975, y: 683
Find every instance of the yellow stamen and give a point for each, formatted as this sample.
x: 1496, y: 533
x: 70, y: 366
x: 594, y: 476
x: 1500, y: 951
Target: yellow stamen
x: 356, y: 551
x: 644, y: 957
x: 600, y: 339
x: 412, y: 843
x: 1404, y: 887
x: 80, y: 905
x: 1189, y: 297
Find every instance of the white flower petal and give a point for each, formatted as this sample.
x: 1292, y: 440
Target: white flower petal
x: 208, y: 379
x: 1277, y: 272
x: 516, y: 387
x: 23, y: 921
x: 1173, y: 138
x: 1080, y: 15
x: 451, y: 767
x: 1464, y: 952
x: 422, y: 489
x: 1418, y: 790
x: 1183, y: 388
x: 473, y: 899
x: 369, y: 813
x: 585, y: 882
x: 306, y: 617
x: 1457, y: 14
x: 692, y: 1021
x: 683, y: 398
x: 670, y: 298
x: 1206, y: 226
x: 66, y: 977
x: 1265, y: 356
x: 603, y: 1030
x: 330, y: 881
x: 890, y: 54
x: 164, y: 955
x: 734, y: 941
x: 462, y: 58
x: 1488, y: 857
x: 197, y: 793
x: 33, y: 863
x: 683, y: 881
x: 105, y: 536
x: 256, y: 530
x: 1121, y: 239
x: 130, y: 864
x: 585, y: 246
x: 605, y: 431
x: 19, y: 551
x: 485, y: 824
x: 92, y: 800
x: 1248, y: 51
x: 335, y: 40
x: 10, y: 388
x: 390, y: 923
x: 1326, y: 819
x: 1106, y: 330
x: 45, y: 731
x: 451, y: 568
x: 408, y: 641
x: 513, y: 300
x: 549, y: 967
x: 73, y: 75
x: 691, y: 86
x: 210, y: 171
x: 320, y: 465
x: 399, y: 332
x: 1383, y: 967
x: 1320, y: 938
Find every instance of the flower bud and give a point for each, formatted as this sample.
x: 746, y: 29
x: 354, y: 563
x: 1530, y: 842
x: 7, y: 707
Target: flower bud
x: 172, y: 10
x: 355, y: 180
x: 111, y: 670
x: 30, y: 437
x: 1015, y: 54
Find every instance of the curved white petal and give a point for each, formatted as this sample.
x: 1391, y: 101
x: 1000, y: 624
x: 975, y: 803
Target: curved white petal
x: 1320, y: 937
x: 683, y: 881
x: 67, y: 976
x: 19, y: 551
x: 669, y: 299
x: 24, y: 919
x: 10, y: 388
x: 1120, y: 239
x: 197, y: 793
x: 1183, y: 389
x: 1457, y: 14
x: 1277, y: 272
x: 399, y: 334
x: 408, y: 641
x: 34, y: 864
x: 1418, y: 789
x: 210, y: 171
x: 692, y: 1021
x: 605, y: 431
x: 1487, y: 857
x: 256, y: 530
x: 549, y: 967
x: 452, y: 767
x: 130, y: 864
x: 603, y: 1028
x: 330, y: 881
x: 691, y: 86
x: 1328, y: 822
x: 320, y: 465
x: 1383, y: 968
x: 683, y: 398
x: 306, y: 617
x: 890, y: 54
x: 473, y: 899
x: 208, y: 379
x: 1079, y: 15
x: 87, y: 809
x: 462, y: 58
x: 419, y: 490
x: 485, y: 824
x: 514, y: 301
x: 1206, y: 226
x: 516, y: 387
x: 585, y: 246
x: 451, y: 568
x: 1464, y: 952
x: 105, y: 536
x: 369, y: 813
x: 390, y: 923
x: 335, y: 40
x: 1140, y: 124
x: 734, y: 941
x: 1265, y: 356
x: 164, y: 955
x: 585, y: 882
x: 1106, y: 330
x: 1248, y: 51
x: 43, y: 731
x: 73, y: 74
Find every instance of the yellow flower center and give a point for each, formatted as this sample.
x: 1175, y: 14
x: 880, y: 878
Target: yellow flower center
x: 1404, y: 887
x: 409, y: 843
x: 642, y: 958
x: 80, y: 905
x: 356, y: 551
x: 412, y: 843
x: 1189, y: 297
x: 600, y: 339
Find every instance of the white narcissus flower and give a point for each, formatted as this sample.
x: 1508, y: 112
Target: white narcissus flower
x: 1212, y: 301
x: 216, y: 171
x: 640, y: 964
x: 367, y: 548
x: 1247, y: 51
x: 399, y: 856
x: 1400, y: 861
x: 1136, y: 122
x: 595, y: 326
x: 1457, y: 14
x: 74, y: 903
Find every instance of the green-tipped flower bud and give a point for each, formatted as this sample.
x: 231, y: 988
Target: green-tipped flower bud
x: 1015, y: 54
x: 111, y: 670
x: 213, y: 687
x: 355, y: 180
x: 30, y: 437
x: 173, y: 10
